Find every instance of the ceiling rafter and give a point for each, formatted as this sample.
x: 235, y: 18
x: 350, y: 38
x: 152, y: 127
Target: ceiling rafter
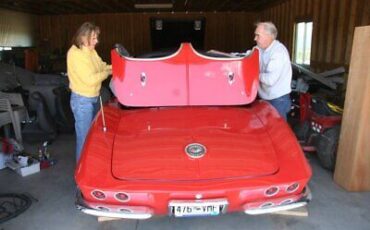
x: 106, y: 7
x: 124, y: 6
x: 84, y: 5
x: 58, y: 7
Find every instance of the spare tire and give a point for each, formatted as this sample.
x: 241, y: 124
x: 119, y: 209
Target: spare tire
x: 326, y: 147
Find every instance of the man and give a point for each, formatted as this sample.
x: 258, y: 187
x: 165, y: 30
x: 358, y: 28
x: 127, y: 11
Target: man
x: 275, y: 68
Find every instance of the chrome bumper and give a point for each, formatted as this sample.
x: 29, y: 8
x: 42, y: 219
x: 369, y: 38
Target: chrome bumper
x: 144, y: 213
x: 304, y: 200
x: 137, y: 213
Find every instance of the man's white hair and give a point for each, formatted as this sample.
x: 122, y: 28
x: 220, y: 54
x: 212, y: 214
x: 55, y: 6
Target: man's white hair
x: 269, y: 27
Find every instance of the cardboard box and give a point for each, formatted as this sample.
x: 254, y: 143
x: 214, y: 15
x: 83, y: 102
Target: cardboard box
x: 24, y: 170
x: 30, y: 169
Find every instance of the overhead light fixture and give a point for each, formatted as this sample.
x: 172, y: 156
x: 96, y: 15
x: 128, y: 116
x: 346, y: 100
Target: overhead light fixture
x: 154, y: 6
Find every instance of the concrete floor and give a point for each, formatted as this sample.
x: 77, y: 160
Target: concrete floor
x: 331, y: 207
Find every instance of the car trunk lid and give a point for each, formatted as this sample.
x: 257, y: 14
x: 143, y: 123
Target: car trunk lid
x: 150, y: 144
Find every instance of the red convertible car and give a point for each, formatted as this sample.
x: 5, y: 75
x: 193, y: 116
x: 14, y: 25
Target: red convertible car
x: 187, y: 137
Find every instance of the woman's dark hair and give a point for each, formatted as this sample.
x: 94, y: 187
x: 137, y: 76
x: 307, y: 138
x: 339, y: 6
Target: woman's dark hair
x: 86, y: 29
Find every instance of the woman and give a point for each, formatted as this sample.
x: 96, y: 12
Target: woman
x: 86, y: 72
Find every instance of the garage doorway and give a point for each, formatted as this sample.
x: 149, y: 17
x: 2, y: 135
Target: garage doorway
x: 168, y: 34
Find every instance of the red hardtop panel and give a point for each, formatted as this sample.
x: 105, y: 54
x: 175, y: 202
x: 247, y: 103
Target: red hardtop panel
x: 185, y: 78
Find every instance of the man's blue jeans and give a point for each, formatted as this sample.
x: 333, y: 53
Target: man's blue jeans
x: 84, y: 110
x: 282, y: 105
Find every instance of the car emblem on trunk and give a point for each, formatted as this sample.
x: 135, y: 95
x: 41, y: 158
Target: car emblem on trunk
x: 195, y: 150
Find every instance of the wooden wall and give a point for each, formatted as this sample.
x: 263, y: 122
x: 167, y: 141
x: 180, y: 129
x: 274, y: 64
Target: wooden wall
x: 333, y: 27
x: 224, y: 31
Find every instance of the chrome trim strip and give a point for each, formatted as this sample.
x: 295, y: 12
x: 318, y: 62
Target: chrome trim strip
x: 258, y: 211
x: 83, y: 207
x: 93, y: 212
x: 305, y: 199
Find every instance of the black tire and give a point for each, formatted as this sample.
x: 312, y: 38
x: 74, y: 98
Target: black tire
x: 326, y: 147
x: 301, y: 130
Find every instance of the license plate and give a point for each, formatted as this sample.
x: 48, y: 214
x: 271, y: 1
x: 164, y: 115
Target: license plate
x: 198, y: 207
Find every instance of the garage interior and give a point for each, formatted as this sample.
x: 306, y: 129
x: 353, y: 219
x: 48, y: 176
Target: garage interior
x: 332, y: 60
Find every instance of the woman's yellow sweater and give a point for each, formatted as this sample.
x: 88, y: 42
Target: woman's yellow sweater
x: 86, y: 71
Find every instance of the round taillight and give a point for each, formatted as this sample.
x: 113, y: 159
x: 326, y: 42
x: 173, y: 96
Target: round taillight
x: 292, y: 188
x: 101, y: 208
x: 267, y: 205
x: 272, y: 191
x: 97, y: 194
x: 285, y: 202
x: 125, y: 210
x: 121, y: 196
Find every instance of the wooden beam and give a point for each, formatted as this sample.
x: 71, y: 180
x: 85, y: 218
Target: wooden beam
x: 104, y: 219
x: 21, y: 7
x: 352, y: 169
x: 124, y: 5
x: 265, y: 4
x: 65, y: 8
